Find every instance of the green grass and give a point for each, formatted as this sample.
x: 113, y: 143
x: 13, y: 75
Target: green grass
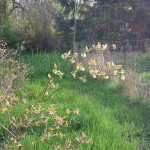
x: 112, y: 120
x: 143, y: 62
x: 143, y: 67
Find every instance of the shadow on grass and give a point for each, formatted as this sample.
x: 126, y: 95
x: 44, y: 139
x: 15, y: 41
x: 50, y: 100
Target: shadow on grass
x: 108, y: 95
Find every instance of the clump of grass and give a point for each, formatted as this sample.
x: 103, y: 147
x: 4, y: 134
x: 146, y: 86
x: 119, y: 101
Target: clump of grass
x: 137, y: 76
x: 143, y: 62
x: 135, y: 87
x: 136, y: 66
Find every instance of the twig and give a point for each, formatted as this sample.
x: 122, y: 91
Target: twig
x: 8, y: 114
x: 8, y: 131
x: 6, y: 55
x: 17, y: 5
x: 43, y: 100
x: 49, y: 83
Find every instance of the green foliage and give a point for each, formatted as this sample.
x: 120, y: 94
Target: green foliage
x: 108, y: 22
x: 6, y: 34
x: 53, y: 22
x: 143, y: 63
x: 109, y: 118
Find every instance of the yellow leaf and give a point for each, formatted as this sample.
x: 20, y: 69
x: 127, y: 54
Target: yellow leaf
x: 51, y: 129
x: 102, y: 74
x: 104, y: 47
x: 69, y: 53
x: 3, y: 109
x: 20, y: 123
x: 86, y: 49
x: 98, y: 46
x: 68, y: 111
x: 76, y: 111
x: 109, y: 65
x: 49, y: 76
x: 55, y: 66
x: 118, y: 66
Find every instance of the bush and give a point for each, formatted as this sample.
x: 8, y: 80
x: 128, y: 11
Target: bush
x: 37, y: 114
x: 9, y: 36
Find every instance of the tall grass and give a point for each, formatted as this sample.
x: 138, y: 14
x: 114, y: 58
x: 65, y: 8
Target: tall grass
x: 106, y: 115
x: 137, y: 83
x: 137, y: 70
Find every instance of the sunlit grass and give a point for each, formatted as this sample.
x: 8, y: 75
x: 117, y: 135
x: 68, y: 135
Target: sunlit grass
x: 110, y: 118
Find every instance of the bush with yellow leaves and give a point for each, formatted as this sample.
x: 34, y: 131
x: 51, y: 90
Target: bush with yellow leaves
x: 91, y: 66
x: 12, y: 76
x: 39, y: 114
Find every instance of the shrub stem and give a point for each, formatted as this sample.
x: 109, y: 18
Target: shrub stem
x: 8, y: 131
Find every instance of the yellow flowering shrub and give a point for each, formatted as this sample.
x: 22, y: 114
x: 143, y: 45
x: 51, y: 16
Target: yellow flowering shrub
x: 38, y: 113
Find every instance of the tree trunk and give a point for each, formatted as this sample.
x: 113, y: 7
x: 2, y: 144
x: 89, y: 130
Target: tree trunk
x: 3, y: 10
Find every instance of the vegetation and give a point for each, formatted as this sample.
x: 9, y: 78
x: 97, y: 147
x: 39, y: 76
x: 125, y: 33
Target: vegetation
x: 92, y: 97
x: 105, y: 114
x: 50, y: 24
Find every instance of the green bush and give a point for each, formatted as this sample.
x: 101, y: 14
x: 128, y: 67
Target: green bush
x: 7, y: 35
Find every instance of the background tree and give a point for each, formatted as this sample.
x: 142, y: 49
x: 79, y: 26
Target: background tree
x: 49, y: 24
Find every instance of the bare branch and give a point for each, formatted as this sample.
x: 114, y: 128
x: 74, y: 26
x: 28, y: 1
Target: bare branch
x: 1, y: 60
x: 17, y: 5
x: 8, y: 131
x: 6, y: 55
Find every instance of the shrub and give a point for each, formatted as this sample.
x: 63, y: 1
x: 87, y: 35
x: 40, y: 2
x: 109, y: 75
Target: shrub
x: 8, y: 35
x: 37, y: 114
x: 13, y: 72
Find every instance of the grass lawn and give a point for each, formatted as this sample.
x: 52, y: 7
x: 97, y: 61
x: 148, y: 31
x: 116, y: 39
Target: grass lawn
x: 111, y: 119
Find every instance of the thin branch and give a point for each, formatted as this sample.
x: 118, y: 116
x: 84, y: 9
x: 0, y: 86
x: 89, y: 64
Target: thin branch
x: 49, y: 83
x: 8, y: 131
x: 43, y: 100
x: 16, y: 5
x: 6, y: 55
x: 50, y: 95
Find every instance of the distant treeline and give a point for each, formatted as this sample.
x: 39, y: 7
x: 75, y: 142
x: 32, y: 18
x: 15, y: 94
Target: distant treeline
x: 49, y: 24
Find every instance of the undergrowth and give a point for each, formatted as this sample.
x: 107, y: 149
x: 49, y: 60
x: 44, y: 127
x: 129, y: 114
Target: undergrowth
x: 106, y: 115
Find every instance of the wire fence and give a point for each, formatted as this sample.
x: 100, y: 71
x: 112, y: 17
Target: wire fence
x: 116, y: 22
x: 135, y: 55
x: 122, y: 45
x: 125, y: 24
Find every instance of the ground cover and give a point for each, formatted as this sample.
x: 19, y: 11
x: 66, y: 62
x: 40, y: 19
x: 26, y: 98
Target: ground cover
x: 110, y: 118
